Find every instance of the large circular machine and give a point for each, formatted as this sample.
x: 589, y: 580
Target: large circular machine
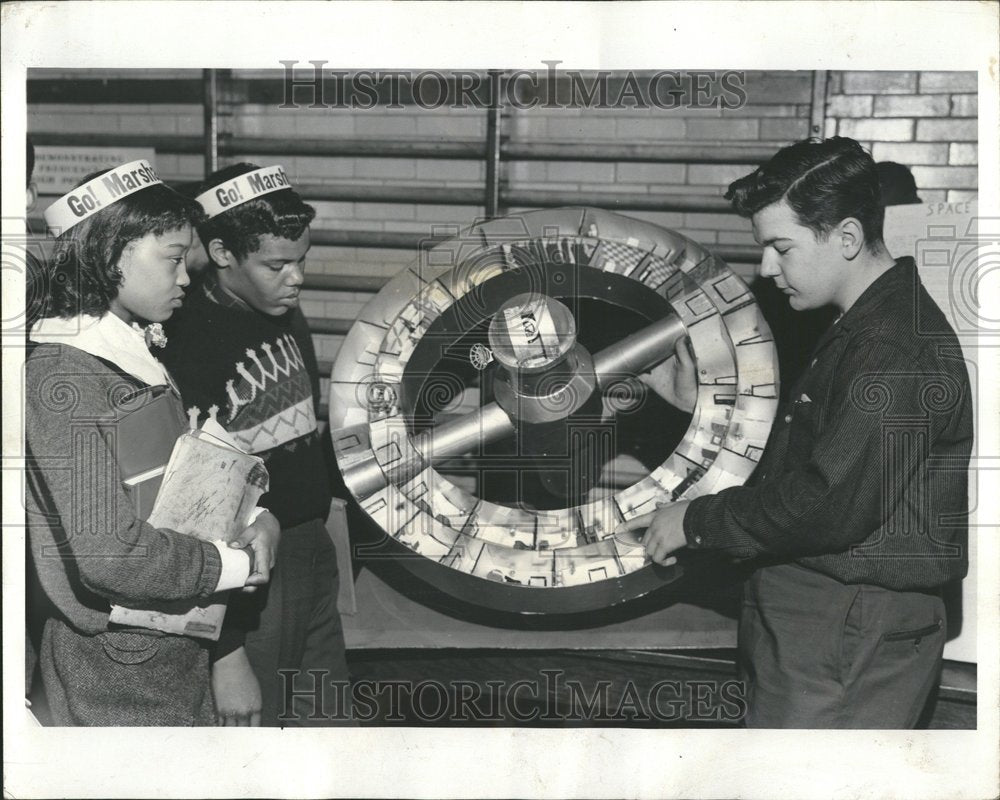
x: 486, y: 415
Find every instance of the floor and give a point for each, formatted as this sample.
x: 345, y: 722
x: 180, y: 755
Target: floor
x: 559, y: 688
x: 574, y: 688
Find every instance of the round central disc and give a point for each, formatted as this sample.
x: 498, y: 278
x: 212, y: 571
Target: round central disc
x: 531, y: 331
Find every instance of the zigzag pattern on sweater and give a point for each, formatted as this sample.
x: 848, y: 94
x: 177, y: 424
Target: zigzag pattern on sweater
x: 267, y: 404
x: 270, y: 400
x: 285, y: 426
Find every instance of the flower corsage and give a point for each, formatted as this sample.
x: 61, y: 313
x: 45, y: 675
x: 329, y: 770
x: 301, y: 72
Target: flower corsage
x: 153, y: 334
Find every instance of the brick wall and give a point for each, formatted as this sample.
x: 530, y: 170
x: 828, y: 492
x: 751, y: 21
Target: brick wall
x: 776, y: 112
x: 926, y: 120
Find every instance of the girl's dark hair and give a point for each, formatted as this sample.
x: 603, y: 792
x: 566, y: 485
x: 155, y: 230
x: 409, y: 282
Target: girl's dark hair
x: 823, y: 182
x: 83, y: 270
x: 282, y: 214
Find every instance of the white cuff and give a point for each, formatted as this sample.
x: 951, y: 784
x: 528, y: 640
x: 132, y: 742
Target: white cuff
x: 257, y: 511
x: 235, y: 567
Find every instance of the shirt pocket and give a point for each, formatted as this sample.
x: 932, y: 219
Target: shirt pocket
x: 803, y: 419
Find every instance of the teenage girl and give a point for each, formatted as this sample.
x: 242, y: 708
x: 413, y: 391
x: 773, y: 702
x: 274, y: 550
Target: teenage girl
x: 100, y: 409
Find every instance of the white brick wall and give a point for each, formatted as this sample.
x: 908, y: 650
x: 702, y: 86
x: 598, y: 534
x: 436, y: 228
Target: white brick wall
x: 963, y: 154
x: 879, y: 82
x: 931, y: 82
x: 912, y: 105
x: 947, y: 130
x: 884, y: 130
x: 925, y: 120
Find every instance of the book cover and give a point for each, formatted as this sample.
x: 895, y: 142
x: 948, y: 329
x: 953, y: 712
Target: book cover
x: 209, y: 489
x: 145, y: 435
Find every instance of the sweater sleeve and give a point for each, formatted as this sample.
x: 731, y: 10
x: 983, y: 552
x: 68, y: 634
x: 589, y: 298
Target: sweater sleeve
x: 835, y: 495
x: 76, y: 479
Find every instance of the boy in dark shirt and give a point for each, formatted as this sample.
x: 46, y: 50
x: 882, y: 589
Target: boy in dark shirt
x: 857, y: 517
x: 241, y: 352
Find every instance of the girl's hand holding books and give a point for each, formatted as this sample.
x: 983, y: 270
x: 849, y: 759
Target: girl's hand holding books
x: 261, y: 537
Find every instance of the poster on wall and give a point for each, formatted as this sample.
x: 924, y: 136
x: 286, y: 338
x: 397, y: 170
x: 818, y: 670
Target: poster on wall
x: 953, y: 248
x: 59, y: 169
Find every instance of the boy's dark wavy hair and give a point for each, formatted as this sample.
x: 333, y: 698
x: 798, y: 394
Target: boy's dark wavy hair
x: 824, y: 182
x: 83, y: 273
x: 282, y: 214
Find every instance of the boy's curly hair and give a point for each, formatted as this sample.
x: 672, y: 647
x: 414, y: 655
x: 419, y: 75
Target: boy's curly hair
x: 282, y: 214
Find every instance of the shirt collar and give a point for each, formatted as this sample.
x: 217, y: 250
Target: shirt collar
x: 898, y: 278
x: 107, y: 337
x: 217, y: 293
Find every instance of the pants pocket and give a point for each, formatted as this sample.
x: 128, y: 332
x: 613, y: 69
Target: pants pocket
x: 915, y: 635
x: 899, y: 665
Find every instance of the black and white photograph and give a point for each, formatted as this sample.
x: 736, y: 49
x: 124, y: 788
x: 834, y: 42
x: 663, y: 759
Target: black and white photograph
x: 603, y: 394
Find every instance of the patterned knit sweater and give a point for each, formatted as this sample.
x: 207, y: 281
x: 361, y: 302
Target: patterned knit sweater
x: 258, y: 376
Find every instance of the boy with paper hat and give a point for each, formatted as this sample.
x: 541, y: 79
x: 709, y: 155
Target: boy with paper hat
x: 242, y: 353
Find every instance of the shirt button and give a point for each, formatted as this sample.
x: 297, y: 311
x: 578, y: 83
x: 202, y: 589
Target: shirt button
x: 788, y: 417
x: 697, y: 540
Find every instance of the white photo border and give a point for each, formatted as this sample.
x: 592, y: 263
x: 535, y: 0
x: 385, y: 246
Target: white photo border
x: 388, y: 762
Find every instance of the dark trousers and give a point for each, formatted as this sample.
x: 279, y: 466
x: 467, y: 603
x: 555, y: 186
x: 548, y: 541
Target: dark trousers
x: 295, y: 643
x: 817, y: 653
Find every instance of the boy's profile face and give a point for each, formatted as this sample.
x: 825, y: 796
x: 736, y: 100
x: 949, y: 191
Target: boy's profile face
x: 808, y: 270
x: 270, y: 279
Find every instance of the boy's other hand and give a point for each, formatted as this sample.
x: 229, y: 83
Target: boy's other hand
x: 664, y: 532
x: 262, y: 537
x: 237, y: 692
x: 676, y: 379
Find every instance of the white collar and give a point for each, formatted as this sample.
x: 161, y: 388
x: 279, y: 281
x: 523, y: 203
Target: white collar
x: 107, y: 337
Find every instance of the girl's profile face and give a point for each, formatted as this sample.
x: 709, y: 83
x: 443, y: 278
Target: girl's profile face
x: 154, y: 274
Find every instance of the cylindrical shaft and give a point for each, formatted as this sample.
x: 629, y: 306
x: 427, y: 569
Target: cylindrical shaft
x: 639, y: 352
x: 631, y: 356
x: 455, y: 437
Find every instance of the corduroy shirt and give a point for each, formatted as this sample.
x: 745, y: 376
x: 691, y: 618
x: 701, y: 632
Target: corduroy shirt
x: 865, y: 474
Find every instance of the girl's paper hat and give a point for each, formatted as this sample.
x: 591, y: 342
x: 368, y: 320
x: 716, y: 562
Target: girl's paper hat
x: 102, y: 191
